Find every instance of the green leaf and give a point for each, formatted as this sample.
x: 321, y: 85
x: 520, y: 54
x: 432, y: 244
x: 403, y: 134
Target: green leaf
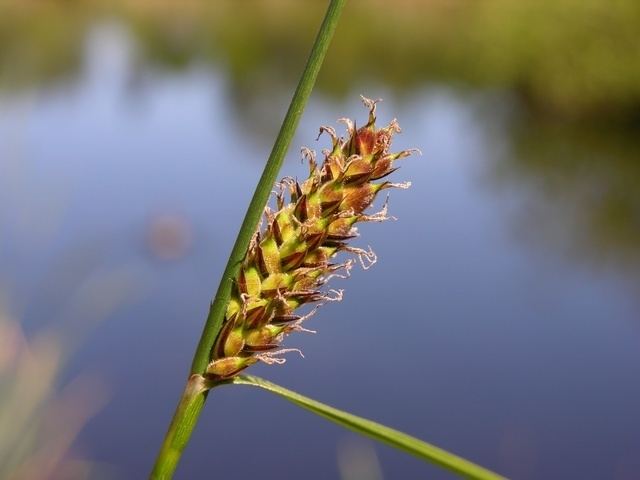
x: 402, y: 441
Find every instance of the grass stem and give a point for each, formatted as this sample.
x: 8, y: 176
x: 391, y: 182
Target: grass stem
x: 193, y: 398
x: 265, y: 185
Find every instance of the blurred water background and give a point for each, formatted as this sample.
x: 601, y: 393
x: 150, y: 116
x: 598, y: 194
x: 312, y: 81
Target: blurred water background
x: 502, y: 320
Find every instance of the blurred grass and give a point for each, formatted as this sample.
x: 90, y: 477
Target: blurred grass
x: 40, y: 422
x: 42, y: 411
x: 568, y: 58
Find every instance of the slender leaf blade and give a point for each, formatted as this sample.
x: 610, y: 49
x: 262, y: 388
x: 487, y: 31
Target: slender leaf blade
x: 390, y: 436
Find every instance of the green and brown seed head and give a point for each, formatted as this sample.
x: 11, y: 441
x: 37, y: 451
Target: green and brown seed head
x: 290, y: 260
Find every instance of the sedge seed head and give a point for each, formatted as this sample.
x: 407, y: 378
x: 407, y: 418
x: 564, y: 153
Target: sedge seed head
x: 292, y: 258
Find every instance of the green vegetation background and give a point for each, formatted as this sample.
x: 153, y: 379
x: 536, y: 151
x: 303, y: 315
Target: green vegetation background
x: 570, y: 58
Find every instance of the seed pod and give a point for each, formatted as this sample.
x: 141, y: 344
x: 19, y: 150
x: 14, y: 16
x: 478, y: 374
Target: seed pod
x: 229, y: 366
x: 289, y: 261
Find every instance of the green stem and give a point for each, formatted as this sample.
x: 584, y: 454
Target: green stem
x: 192, y: 401
x: 265, y: 185
x: 183, y: 422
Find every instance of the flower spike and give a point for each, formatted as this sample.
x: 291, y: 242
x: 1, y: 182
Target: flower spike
x: 290, y: 258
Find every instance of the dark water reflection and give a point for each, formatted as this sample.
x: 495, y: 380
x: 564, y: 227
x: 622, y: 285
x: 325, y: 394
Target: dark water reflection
x: 502, y: 320
x: 580, y: 188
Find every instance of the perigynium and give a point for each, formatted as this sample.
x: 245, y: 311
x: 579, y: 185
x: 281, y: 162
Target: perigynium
x: 291, y: 259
